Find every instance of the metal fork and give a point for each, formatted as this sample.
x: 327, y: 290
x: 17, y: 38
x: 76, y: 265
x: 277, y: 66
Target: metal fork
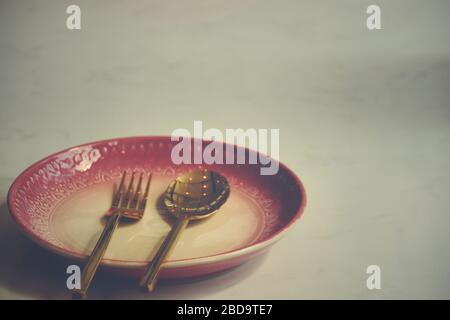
x: 127, y: 204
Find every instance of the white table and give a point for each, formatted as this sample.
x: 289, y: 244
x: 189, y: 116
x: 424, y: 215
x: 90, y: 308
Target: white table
x: 364, y: 119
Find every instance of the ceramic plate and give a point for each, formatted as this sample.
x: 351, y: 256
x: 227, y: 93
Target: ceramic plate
x: 59, y: 202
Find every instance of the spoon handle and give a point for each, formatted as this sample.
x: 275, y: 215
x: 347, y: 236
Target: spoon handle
x: 151, y: 274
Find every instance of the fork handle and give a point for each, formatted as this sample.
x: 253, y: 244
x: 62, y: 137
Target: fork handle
x: 96, y: 255
x: 151, y: 274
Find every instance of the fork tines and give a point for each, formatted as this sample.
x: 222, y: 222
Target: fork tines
x: 130, y: 200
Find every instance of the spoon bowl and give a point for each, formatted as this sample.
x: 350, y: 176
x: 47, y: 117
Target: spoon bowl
x: 197, y: 194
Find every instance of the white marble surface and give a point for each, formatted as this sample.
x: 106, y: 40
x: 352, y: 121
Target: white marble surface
x: 364, y: 119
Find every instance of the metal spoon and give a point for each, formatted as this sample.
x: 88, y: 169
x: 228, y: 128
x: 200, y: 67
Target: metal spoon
x: 192, y: 196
